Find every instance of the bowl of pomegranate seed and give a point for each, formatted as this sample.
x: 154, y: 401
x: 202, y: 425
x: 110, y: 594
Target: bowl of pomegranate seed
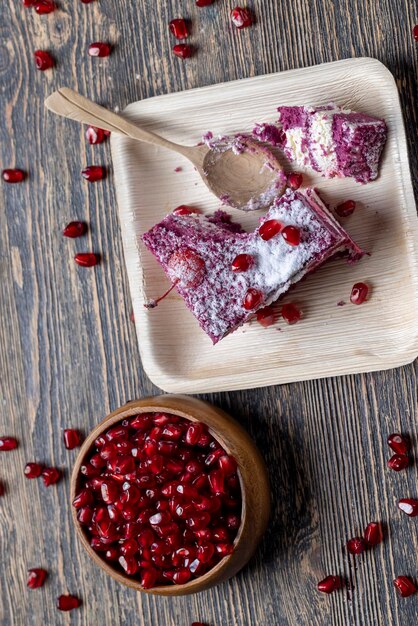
x: 170, y: 495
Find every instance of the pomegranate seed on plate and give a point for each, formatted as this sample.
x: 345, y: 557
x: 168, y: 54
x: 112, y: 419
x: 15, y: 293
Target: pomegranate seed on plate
x: 291, y: 313
x: 356, y: 545
x: 329, y: 584
x: 99, y: 49
x: 398, y: 462
x: 398, y: 443
x: 8, y: 443
x: 373, y: 534
x: 95, y: 135
x: 72, y: 438
x: 178, y: 28
x: 345, y: 208
x: 93, y: 173
x: 13, y: 175
x: 43, y: 60
x: 241, y: 18
x: 242, y: 263
x: 86, y: 259
x: 75, y: 229
x: 33, y: 470
x: 359, y: 293
x: 183, y: 50
x: 50, y: 476
x: 291, y: 235
x: 409, y: 506
x: 43, y: 7
x: 404, y: 586
x: 267, y: 316
x: 253, y: 298
x: 68, y: 603
x: 270, y: 229
x: 184, y: 209
x: 294, y: 180
x: 36, y: 578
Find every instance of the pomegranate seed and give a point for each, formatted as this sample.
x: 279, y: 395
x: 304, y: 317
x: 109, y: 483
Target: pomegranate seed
x: 68, y: 603
x: 409, y: 506
x: 7, y: 443
x: 398, y: 462
x: 72, y: 438
x: 149, y: 578
x: 93, y: 173
x: 224, y: 549
x: 241, y: 18
x: 141, y: 422
x: 43, y: 60
x: 242, y: 263
x: 28, y: 3
x: 404, y: 586
x: 217, y: 481
x: 86, y: 259
x: 109, y: 492
x: 329, y: 584
x: 13, y: 175
x: 181, y: 576
x: 50, y: 476
x: 183, y: 50
x: 291, y: 313
x: 84, y: 498
x: 270, y: 229
x: 359, y: 293
x: 253, y: 299
x: 204, y: 3
x: 33, y: 470
x: 129, y: 548
x: 373, y: 534
x: 43, y: 7
x: 294, y: 180
x: 99, y: 49
x: 184, y: 209
x: 398, y: 443
x: 346, y: 208
x: 291, y: 235
x: 85, y: 515
x: 415, y: 32
x: 95, y: 135
x: 194, y: 432
x: 266, y: 317
x: 75, y: 229
x: 87, y: 1
x: 36, y: 578
x: 178, y: 28
x: 356, y: 545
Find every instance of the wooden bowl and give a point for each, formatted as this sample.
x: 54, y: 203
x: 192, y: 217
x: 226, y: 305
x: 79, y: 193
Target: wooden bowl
x: 251, y: 471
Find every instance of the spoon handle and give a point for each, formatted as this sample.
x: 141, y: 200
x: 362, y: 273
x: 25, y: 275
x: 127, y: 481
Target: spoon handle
x: 71, y: 104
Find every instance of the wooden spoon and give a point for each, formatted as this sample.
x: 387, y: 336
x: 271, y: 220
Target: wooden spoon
x: 248, y: 180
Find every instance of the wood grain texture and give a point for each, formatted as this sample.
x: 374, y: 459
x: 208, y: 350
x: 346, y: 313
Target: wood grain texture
x: 68, y: 350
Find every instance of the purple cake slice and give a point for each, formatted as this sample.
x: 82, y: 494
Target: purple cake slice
x: 330, y: 140
x: 224, y: 277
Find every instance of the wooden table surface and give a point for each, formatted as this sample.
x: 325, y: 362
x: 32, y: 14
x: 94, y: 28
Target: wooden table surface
x: 68, y: 351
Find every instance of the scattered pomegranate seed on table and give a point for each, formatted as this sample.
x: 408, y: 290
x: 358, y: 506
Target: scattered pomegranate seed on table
x: 329, y: 584
x: 200, y: 623
x: 291, y: 313
x: 204, y: 3
x: 36, y: 578
x: 294, y: 180
x: 241, y: 18
x: 13, y: 175
x: 28, y: 3
x: 183, y: 50
x: 50, y: 476
x: 33, y: 470
x: 398, y: 443
x: 242, y: 263
x: 87, y: 1
x: 409, y: 506
x: 95, y: 135
x: 43, y: 7
x: 7, y: 444
x: 266, y: 317
x: 373, y: 534
x: 75, y: 229
x: 357, y: 545
x: 178, y: 28
x: 359, y: 293
x: 99, y: 49
x: 270, y: 229
x: 184, y: 209
x: 345, y: 208
x: 291, y: 235
x: 72, y: 438
x: 398, y: 462
x: 43, y: 60
x: 68, y: 603
x: 86, y: 259
x: 93, y: 173
x: 252, y: 299
x: 415, y: 32
x: 404, y: 586
x: 1, y: 489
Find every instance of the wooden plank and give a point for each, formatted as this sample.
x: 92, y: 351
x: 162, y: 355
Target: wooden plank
x: 68, y: 350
